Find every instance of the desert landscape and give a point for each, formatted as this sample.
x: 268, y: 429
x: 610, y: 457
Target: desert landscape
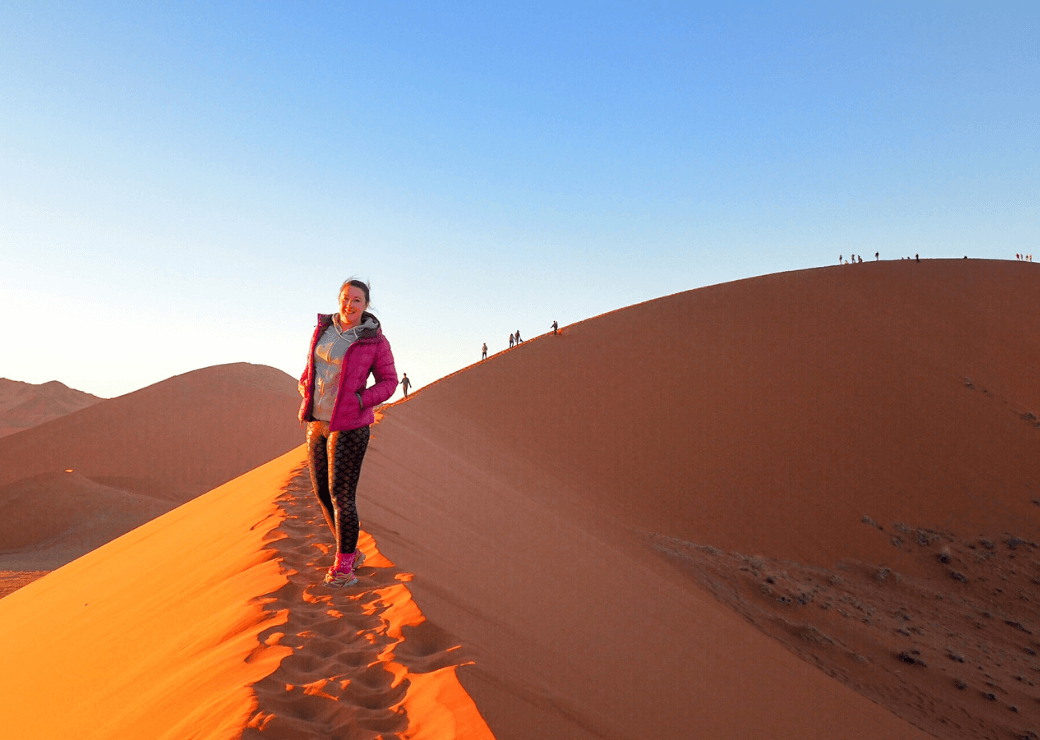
x: 72, y: 482
x: 803, y: 505
x: 24, y: 405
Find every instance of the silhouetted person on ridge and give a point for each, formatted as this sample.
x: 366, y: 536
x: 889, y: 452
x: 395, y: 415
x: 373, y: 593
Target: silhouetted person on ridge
x: 483, y: 352
x: 917, y: 258
x: 861, y: 259
x: 518, y: 339
x: 877, y: 256
x: 512, y: 340
x: 405, y: 384
x: 555, y: 326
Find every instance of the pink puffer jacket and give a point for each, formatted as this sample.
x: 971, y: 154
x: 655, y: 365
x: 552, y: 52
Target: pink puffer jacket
x: 369, y: 355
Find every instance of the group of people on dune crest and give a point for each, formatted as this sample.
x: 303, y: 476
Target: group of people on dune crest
x: 515, y: 340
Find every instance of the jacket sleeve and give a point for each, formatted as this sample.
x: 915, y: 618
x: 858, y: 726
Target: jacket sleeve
x: 385, y: 374
x: 305, y: 384
x: 305, y: 402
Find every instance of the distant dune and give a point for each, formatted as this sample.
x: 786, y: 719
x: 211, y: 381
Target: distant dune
x: 25, y: 405
x: 797, y: 506
x: 135, y: 456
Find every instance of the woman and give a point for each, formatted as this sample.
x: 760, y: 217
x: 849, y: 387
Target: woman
x: 346, y: 348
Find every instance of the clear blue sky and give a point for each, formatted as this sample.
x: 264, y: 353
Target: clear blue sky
x: 187, y: 184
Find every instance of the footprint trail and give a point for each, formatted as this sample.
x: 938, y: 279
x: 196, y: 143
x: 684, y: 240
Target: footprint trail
x: 365, y: 663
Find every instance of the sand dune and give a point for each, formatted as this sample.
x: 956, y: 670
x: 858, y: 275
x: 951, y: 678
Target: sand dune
x: 79, y: 514
x: 211, y: 622
x: 802, y: 505
x: 168, y: 442
x: 803, y: 446
x: 25, y: 405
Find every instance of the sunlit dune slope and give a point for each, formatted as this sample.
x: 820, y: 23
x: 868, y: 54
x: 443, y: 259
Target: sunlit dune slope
x: 154, y: 635
x: 67, y: 515
x: 772, y: 417
x: 212, y: 623
x: 175, y: 439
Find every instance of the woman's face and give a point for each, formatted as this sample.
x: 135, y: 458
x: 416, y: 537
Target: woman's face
x: 351, y: 304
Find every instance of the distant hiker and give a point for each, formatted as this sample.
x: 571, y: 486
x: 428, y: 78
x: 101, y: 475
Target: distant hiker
x: 512, y: 339
x: 555, y: 326
x: 405, y: 384
x: 917, y: 258
x: 860, y: 258
x: 483, y: 352
x: 877, y: 256
x: 518, y: 339
x: 839, y: 259
x: 345, y: 349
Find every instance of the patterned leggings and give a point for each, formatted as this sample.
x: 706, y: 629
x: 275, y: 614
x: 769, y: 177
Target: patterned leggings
x: 335, y: 462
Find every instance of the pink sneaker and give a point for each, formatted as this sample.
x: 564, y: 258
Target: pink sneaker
x: 342, y: 573
x: 340, y: 578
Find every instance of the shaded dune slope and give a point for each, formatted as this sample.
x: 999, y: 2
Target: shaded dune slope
x: 68, y: 515
x: 893, y: 390
x: 25, y: 405
x: 174, y: 439
x: 138, y: 455
x: 572, y: 507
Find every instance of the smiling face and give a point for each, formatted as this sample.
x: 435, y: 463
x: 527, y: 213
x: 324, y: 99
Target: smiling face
x: 351, y: 304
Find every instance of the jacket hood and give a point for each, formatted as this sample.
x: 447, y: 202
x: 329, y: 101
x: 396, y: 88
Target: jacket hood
x: 369, y: 326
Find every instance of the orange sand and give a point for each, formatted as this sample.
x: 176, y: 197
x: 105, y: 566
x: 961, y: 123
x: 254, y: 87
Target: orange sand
x: 153, y: 635
x: 188, y: 627
x: 797, y: 506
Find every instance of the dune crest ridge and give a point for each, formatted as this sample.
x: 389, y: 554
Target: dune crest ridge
x: 211, y: 622
x: 155, y: 633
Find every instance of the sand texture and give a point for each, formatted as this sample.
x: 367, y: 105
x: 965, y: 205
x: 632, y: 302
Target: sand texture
x: 212, y: 622
x: 25, y: 405
x: 796, y: 506
x: 800, y: 446
x: 73, y: 483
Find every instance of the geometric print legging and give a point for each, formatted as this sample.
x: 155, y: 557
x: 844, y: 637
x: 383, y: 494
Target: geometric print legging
x: 335, y: 463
